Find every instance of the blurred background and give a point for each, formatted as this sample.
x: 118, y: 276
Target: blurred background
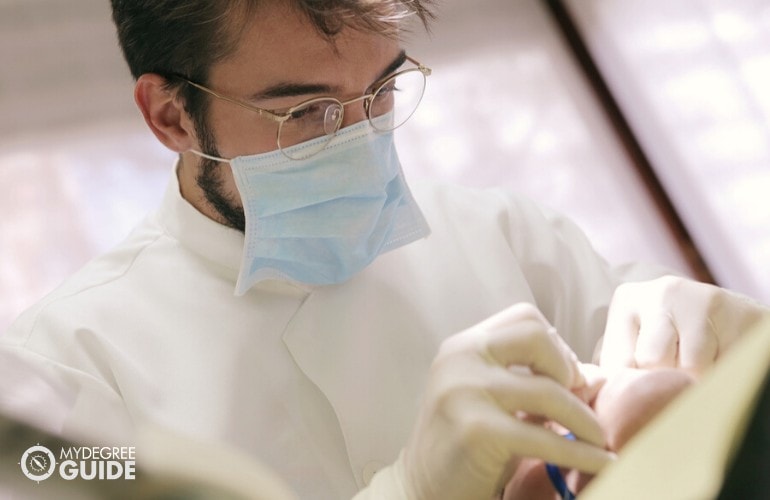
x: 646, y: 122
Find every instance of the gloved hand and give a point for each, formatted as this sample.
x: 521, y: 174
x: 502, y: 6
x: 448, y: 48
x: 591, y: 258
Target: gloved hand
x: 674, y: 322
x: 483, y: 384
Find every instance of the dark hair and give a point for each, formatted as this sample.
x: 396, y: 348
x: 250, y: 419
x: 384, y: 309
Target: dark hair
x: 187, y: 37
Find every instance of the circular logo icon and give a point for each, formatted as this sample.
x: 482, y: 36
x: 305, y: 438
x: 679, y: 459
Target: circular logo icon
x: 38, y: 463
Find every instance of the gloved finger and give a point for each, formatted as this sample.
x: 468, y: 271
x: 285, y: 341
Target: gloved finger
x: 594, y: 377
x: 620, y: 332
x: 657, y: 344
x: 698, y: 346
x: 541, y: 396
x: 529, y: 440
x: 520, y: 335
x: 577, y: 379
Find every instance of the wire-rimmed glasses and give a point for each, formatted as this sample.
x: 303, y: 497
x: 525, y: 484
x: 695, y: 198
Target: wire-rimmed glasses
x: 389, y: 106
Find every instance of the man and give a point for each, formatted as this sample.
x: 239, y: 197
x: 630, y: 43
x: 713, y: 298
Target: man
x: 291, y: 292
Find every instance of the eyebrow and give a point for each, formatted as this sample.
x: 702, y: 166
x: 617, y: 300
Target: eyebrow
x: 393, y: 66
x: 300, y: 89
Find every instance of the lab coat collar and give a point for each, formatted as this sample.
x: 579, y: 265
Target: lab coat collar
x: 198, y: 233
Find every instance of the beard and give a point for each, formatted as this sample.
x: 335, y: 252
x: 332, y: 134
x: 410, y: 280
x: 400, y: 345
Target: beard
x: 210, y: 181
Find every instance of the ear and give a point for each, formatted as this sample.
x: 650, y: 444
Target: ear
x: 164, y: 113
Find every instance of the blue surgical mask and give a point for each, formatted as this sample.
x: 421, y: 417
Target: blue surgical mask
x: 321, y: 220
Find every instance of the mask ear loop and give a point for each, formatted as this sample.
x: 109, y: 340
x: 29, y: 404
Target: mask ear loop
x: 557, y: 479
x: 208, y: 157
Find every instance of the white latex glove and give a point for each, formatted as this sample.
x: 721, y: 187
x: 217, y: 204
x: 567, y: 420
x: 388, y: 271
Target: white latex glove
x: 674, y: 322
x: 469, y: 427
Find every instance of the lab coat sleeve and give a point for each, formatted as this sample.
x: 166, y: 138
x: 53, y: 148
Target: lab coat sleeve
x: 571, y: 283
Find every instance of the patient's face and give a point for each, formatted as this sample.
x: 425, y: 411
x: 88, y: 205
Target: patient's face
x: 625, y: 404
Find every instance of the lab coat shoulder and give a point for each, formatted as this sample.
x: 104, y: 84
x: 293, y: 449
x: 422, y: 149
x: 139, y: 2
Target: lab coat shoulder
x: 102, y: 270
x: 75, y: 331
x: 43, y: 366
x: 147, y: 324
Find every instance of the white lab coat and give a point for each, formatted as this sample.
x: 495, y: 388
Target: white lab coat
x: 320, y: 384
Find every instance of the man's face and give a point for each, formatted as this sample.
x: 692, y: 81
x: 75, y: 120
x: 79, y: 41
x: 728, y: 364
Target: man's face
x: 281, y: 60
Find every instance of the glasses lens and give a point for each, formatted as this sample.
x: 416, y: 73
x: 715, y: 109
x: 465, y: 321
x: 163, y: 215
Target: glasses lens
x: 400, y: 95
x: 317, y: 119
